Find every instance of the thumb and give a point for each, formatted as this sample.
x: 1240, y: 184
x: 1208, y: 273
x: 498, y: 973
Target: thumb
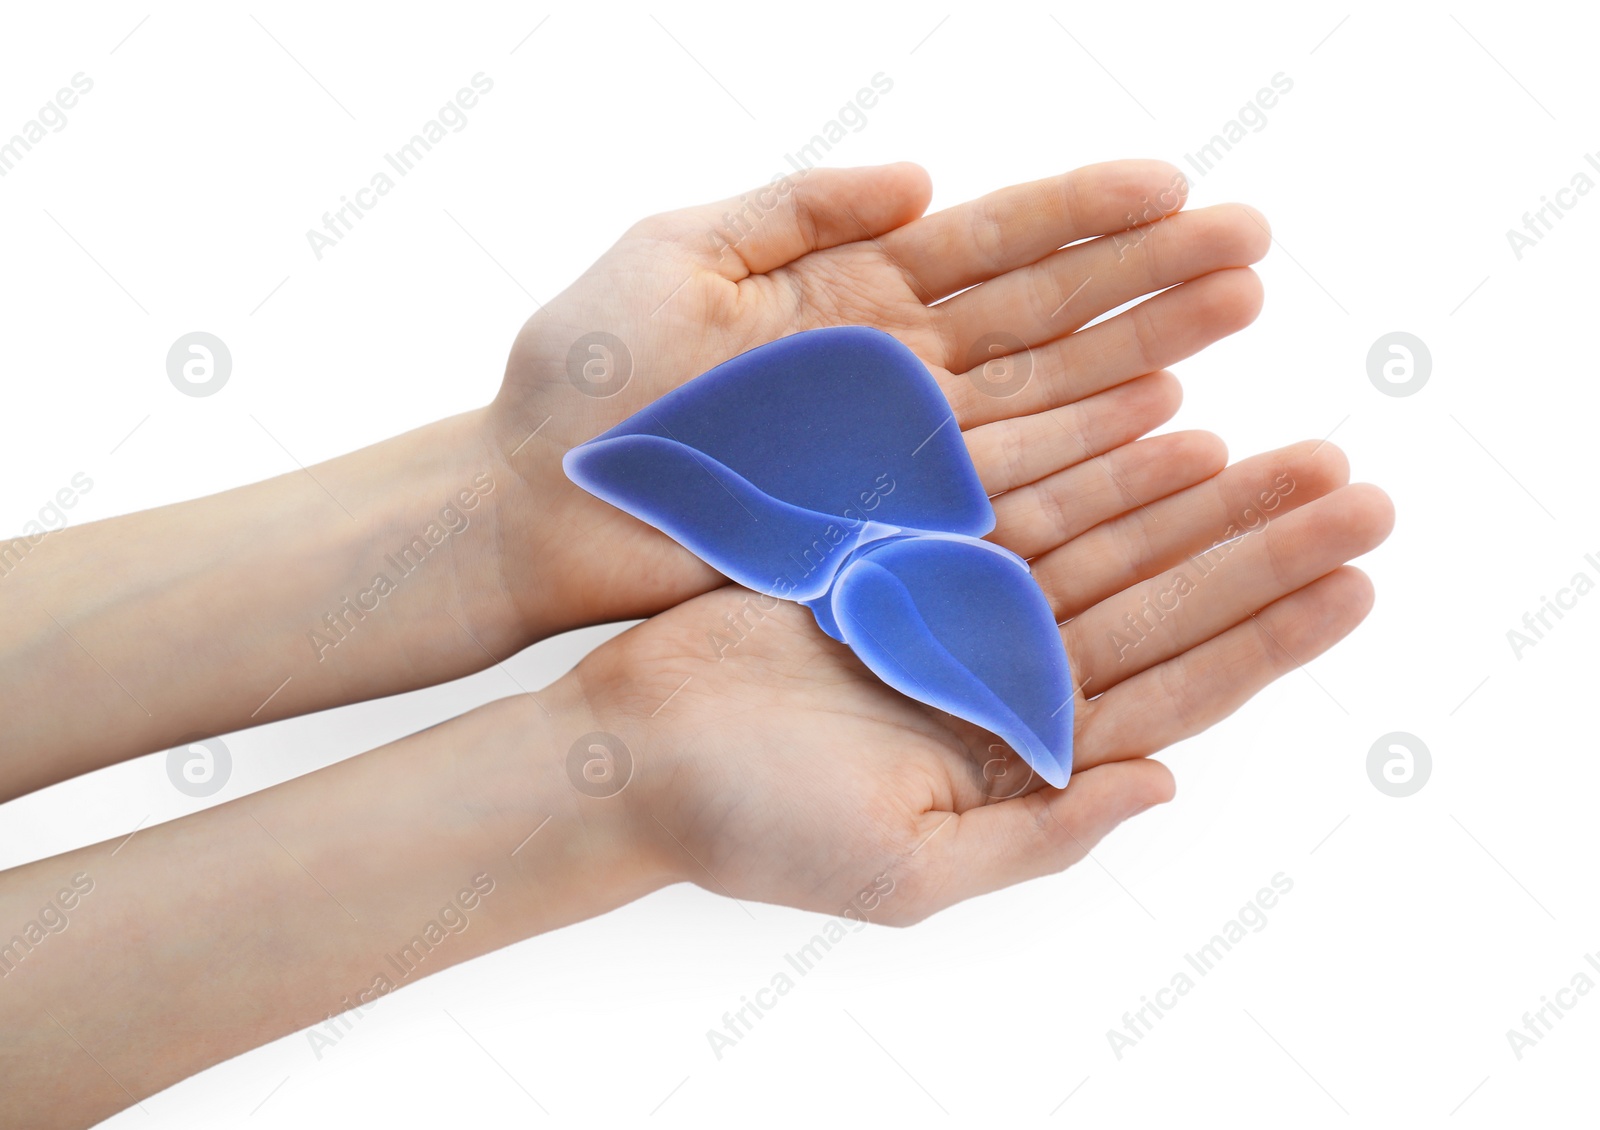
x: 1041, y: 833
x: 803, y: 211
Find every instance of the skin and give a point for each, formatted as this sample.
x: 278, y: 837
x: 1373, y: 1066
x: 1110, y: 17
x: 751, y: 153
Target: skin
x: 776, y: 769
x: 688, y: 289
x: 532, y: 555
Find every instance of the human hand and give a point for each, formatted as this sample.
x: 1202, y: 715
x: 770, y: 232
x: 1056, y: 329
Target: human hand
x: 686, y: 290
x: 331, y: 605
x: 772, y: 765
x: 767, y: 763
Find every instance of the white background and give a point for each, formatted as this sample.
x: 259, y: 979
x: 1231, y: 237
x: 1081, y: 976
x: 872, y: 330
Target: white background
x: 1418, y: 930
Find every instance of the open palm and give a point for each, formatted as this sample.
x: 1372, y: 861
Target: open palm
x: 988, y: 294
x: 773, y: 765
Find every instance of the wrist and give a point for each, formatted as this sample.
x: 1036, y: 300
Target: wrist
x: 565, y: 796
x: 568, y: 558
x: 535, y: 526
x: 437, y: 513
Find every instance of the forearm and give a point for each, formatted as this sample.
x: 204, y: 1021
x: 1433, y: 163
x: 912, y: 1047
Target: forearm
x: 199, y: 939
x: 370, y: 574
